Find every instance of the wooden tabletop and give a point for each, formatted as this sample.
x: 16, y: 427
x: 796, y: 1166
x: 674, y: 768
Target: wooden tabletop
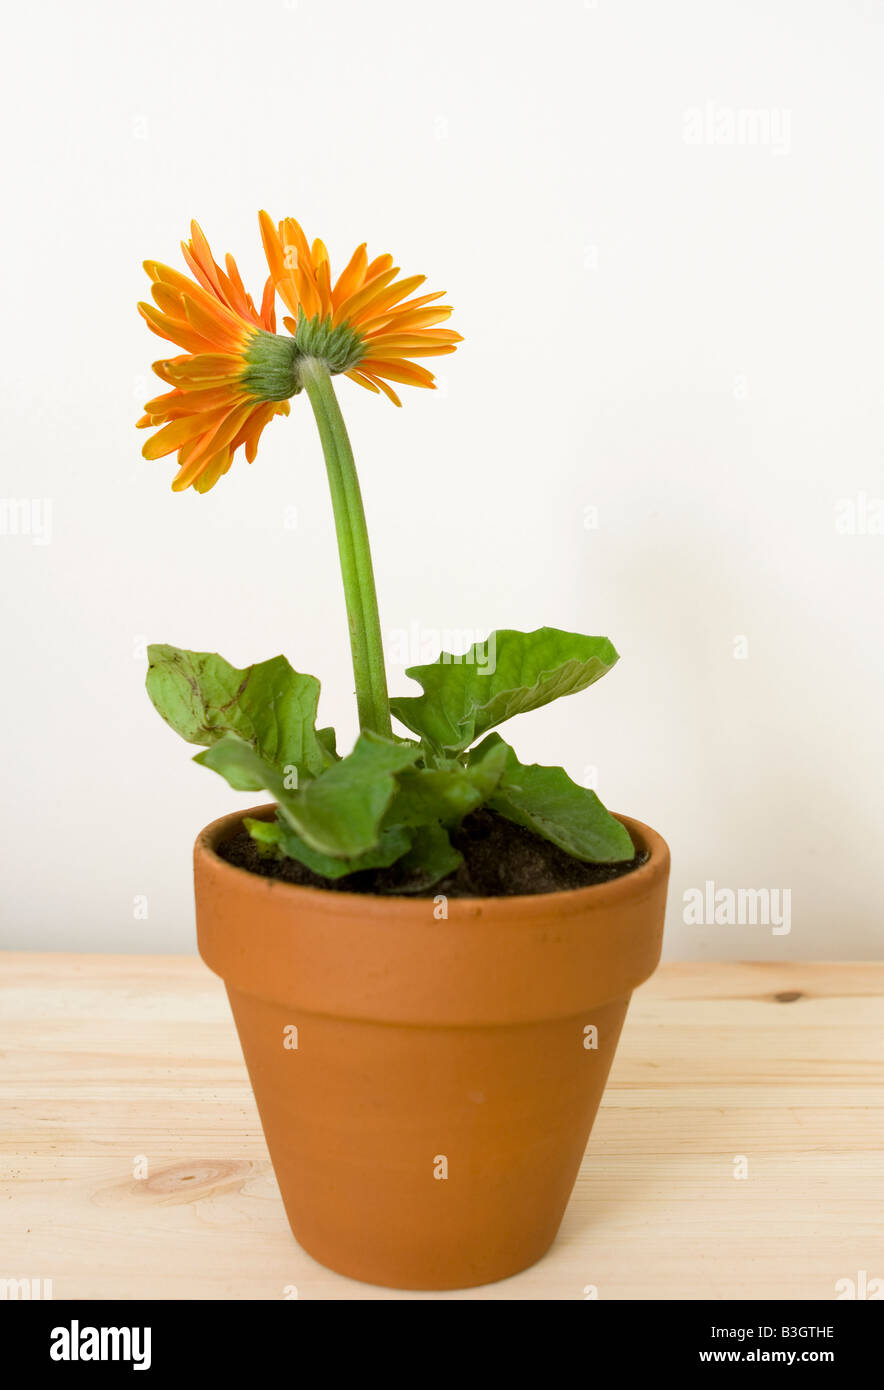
x: 117, y: 1065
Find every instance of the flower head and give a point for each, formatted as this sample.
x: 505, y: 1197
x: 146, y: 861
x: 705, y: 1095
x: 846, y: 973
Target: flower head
x: 237, y: 372
x: 362, y: 324
x: 234, y: 376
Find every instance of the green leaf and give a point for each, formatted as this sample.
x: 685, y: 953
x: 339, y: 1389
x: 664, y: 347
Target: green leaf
x: 431, y: 857
x: 340, y: 813
x: 278, y: 839
x: 421, y: 857
x: 545, y: 800
x: 266, y: 835
x: 243, y: 767
x: 464, y: 696
x: 445, y: 794
x: 268, y: 705
x: 328, y: 742
x: 424, y: 795
x: 487, y: 764
x: 390, y: 847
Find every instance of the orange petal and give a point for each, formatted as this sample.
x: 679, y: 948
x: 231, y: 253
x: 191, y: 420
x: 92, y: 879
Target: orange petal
x: 171, y: 437
x: 351, y: 277
x: 161, y: 368
x: 204, y: 368
x: 200, y: 259
x: 386, y: 298
x: 416, y: 318
x: 222, y: 330
x: 213, y: 470
x: 279, y: 271
x: 388, y: 349
x: 441, y: 338
x: 382, y: 386
x: 174, y: 332
x: 419, y: 301
x: 292, y: 235
x: 167, y: 299
x: 251, y: 432
x: 307, y: 292
x: 350, y: 307
x: 268, y: 306
x: 362, y: 380
x: 408, y: 372
x: 378, y: 266
x: 225, y: 430
x: 188, y: 474
x: 179, y: 403
x: 323, y: 285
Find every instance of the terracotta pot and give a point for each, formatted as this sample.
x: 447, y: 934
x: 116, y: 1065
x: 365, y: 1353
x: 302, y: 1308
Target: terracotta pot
x: 426, y: 1084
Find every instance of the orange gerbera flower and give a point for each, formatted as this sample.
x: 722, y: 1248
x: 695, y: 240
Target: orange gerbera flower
x: 237, y: 372
x: 232, y: 379
x: 363, y: 324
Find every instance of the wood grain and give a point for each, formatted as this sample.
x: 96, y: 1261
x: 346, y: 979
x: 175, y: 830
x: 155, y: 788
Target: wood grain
x: 108, y: 1059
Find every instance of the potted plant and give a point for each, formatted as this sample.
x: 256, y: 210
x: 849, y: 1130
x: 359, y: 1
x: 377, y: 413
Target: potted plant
x: 428, y: 946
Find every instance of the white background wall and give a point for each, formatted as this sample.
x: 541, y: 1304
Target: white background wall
x: 674, y: 323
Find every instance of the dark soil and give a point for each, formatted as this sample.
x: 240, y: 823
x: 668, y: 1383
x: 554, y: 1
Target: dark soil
x: 500, y: 860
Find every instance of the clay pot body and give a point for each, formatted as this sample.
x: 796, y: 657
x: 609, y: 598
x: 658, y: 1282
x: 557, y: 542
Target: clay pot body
x: 427, y: 1082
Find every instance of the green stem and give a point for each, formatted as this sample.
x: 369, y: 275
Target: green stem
x: 364, y: 621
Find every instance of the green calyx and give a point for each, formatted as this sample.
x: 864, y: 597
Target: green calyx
x: 273, y: 371
x: 338, y: 348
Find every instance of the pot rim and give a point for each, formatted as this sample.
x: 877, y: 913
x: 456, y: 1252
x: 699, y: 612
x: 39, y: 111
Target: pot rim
x: 628, y: 887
